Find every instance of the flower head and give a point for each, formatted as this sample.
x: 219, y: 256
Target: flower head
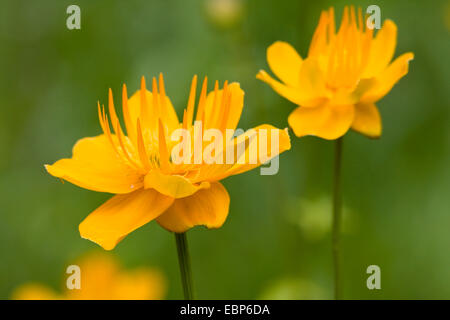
x: 101, y: 278
x: 344, y: 74
x: 143, y: 169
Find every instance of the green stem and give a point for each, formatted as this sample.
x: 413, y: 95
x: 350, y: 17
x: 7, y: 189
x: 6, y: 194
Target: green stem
x: 185, y: 265
x: 337, y: 215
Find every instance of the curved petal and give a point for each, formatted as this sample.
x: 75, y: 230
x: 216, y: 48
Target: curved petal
x: 168, y: 115
x: 382, y: 50
x: 208, y: 207
x: 122, y: 214
x: 326, y: 121
x: 294, y: 94
x: 285, y: 62
x: 234, y: 113
x: 388, y: 78
x: 312, y: 80
x: 344, y: 97
x: 96, y: 166
x: 367, y: 120
x: 172, y: 185
x: 254, y: 148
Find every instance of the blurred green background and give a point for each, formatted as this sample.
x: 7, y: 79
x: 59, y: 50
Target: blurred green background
x: 276, y: 241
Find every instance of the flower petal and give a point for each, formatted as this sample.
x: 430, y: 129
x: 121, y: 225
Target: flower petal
x: 96, y: 166
x: 326, y: 121
x: 172, y: 185
x: 257, y: 140
x: 169, y: 116
x: 294, y: 94
x: 367, y: 120
x: 285, y: 62
x: 122, y: 214
x: 382, y: 50
x: 388, y: 78
x: 208, y: 207
x: 312, y: 80
x: 344, y: 97
x: 235, y: 111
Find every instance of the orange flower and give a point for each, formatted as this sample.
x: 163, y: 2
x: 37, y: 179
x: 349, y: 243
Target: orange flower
x: 345, y: 73
x: 101, y: 279
x: 140, y: 170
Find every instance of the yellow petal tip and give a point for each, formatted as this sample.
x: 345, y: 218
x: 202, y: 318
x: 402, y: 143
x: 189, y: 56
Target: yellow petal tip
x: 84, y: 234
x: 261, y: 75
x: 410, y: 56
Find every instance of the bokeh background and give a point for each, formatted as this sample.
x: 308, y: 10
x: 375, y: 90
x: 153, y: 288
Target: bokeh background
x: 276, y: 241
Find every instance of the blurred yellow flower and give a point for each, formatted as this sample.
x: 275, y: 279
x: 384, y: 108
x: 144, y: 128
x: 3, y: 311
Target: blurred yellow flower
x: 344, y: 74
x: 35, y: 291
x: 224, y: 13
x: 102, y: 279
x: 314, y: 219
x: 140, y: 170
x: 293, y: 288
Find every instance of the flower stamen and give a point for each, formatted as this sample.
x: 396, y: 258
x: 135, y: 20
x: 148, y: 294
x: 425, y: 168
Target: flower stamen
x: 141, y: 148
x: 191, y: 102
x: 126, y: 115
x: 164, y: 159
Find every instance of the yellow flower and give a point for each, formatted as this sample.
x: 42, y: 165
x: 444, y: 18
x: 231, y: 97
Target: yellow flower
x: 139, y: 169
x: 101, y: 279
x: 345, y: 73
